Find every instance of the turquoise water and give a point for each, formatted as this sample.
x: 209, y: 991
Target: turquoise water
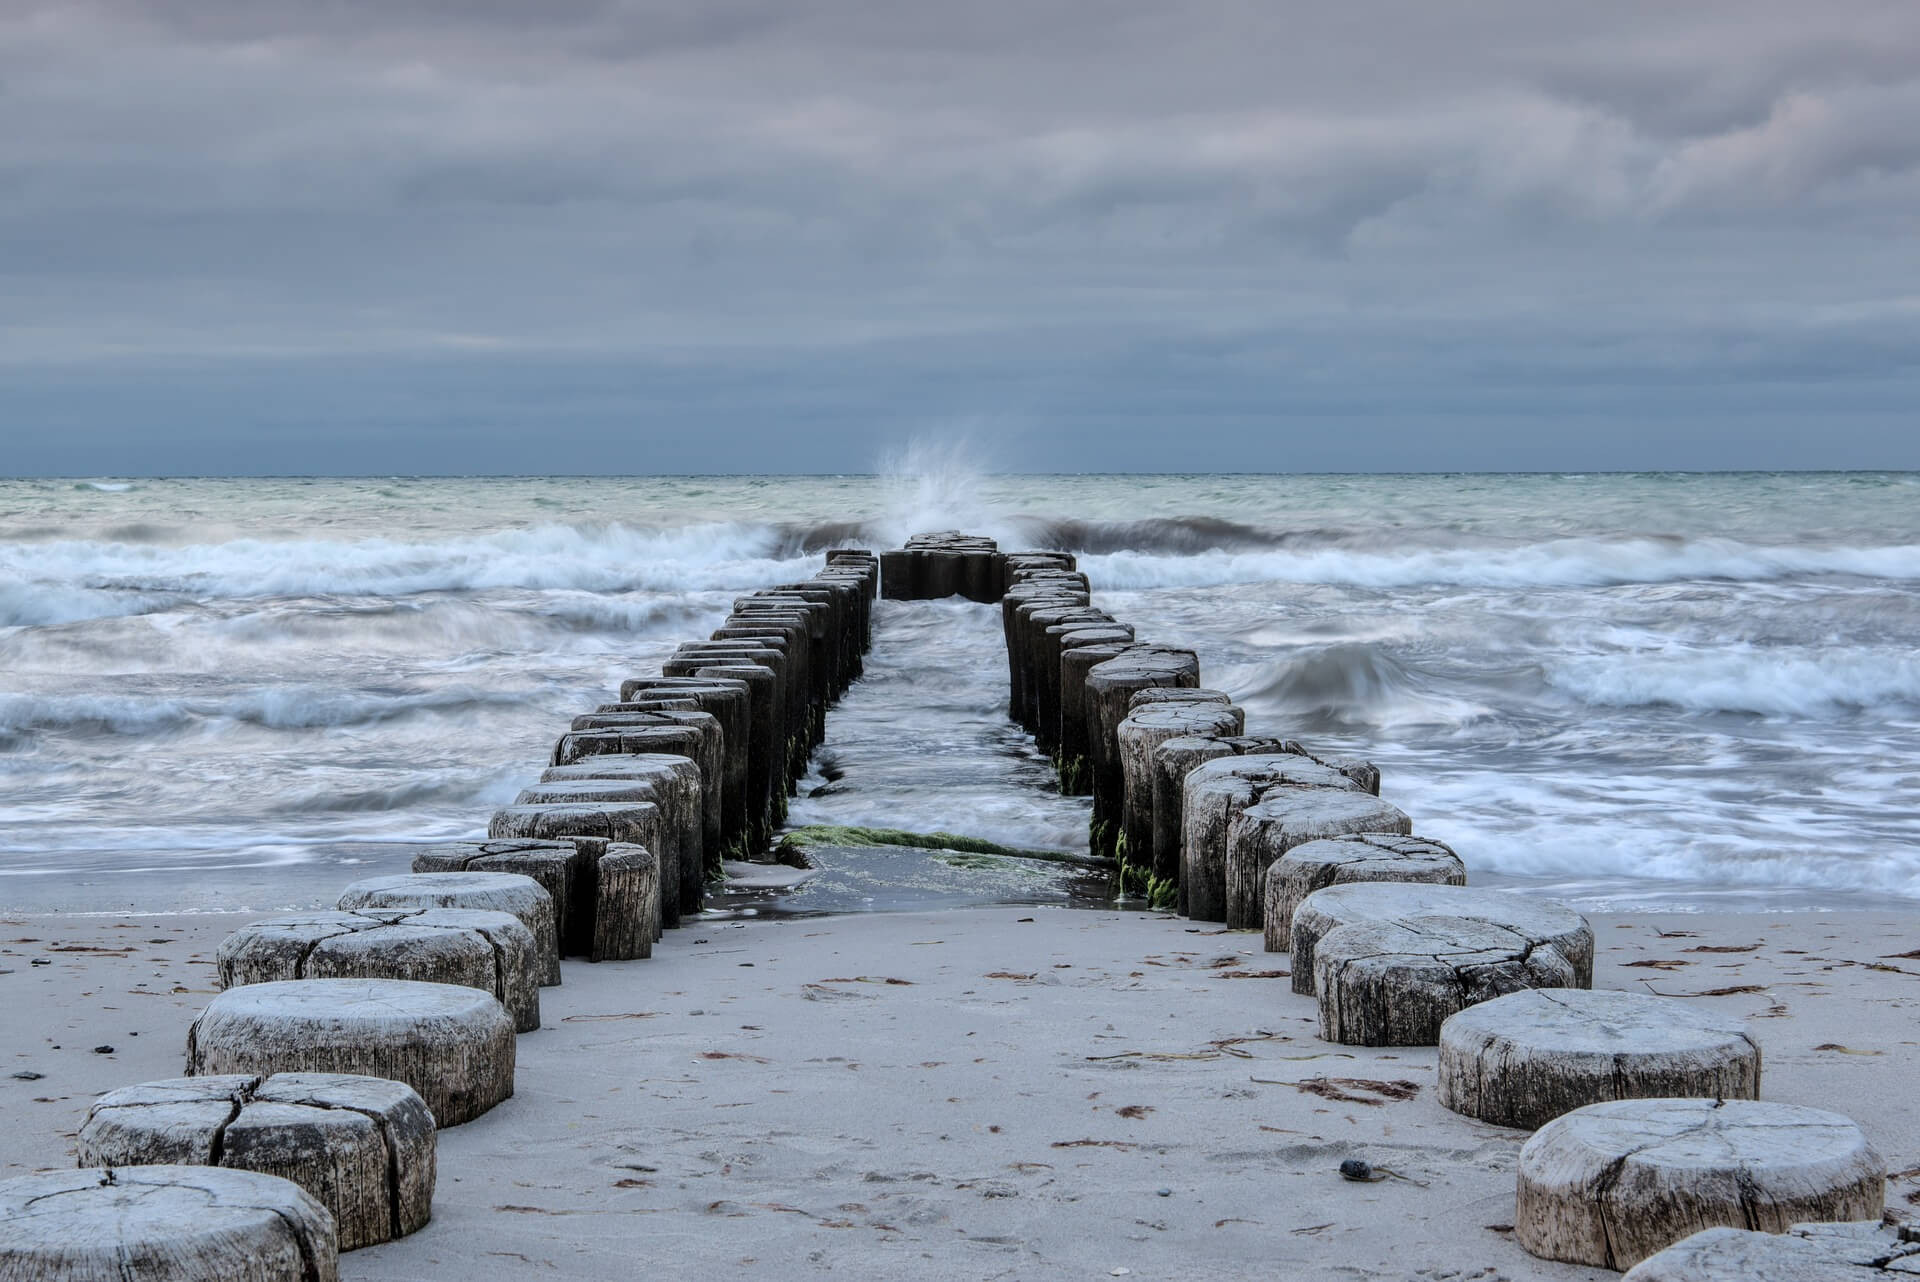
x: 1664, y: 690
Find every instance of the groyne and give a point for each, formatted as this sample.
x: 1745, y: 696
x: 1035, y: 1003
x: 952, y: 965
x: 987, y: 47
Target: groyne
x: 424, y: 981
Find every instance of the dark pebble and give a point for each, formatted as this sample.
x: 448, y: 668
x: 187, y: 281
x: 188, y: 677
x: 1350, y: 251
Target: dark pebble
x: 41, y: 961
x: 103, y: 1050
x: 1355, y: 1169
x: 27, y: 1075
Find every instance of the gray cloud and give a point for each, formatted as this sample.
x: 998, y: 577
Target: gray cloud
x: 1008, y: 212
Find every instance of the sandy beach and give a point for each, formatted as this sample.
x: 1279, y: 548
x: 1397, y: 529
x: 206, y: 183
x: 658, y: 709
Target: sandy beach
x: 1007, y: 1092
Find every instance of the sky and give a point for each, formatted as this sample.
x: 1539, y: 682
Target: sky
x: 635, y: 236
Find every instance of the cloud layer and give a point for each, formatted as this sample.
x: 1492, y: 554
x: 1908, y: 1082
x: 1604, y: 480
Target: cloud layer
x: 278, y: 226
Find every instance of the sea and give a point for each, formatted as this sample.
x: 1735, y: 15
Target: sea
x: 1638, y: 692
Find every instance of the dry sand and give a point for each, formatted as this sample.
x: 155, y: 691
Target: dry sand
x: 1018, y: 1093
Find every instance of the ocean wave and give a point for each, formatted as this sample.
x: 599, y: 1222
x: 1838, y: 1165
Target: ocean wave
x: 40, y: 605
x: 301, y: 707
x: 1349, y: 685
x: 1745, y: 679
x: 1558, y: 563
x: 73, y: 580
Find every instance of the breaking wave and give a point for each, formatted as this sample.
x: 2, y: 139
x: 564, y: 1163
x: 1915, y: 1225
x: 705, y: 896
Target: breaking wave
x: 1743, y: 679
x: 305, y: 707
x: 73, y: 581
x: 1559, y: 563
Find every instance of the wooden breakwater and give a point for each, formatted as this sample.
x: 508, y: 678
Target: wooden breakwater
x: 345, y: 1039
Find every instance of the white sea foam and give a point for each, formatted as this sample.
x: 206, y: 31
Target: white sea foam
x: 1769, y: 682
x: 72, y: 579
x: 296, y: 707
x: 1560, y: 563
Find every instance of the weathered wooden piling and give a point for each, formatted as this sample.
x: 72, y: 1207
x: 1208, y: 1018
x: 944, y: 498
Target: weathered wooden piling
x: 1356, y: 857
x: 163, y: 1224
x: 1543, y: 920
x: 1110, y: 687
x: 453, y: 1045
x: 1173, y: 760
x: 1147, y: 725
x: 363, y: 1147
x: 1216, y: 793
x: 1526, y: 1058
x: 503, y: 892
x: 1610, y: 1184
x: 1291, y: 815
x: 491, y: 951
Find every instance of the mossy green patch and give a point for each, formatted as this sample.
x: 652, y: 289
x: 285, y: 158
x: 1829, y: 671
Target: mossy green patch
x: 839, y: 835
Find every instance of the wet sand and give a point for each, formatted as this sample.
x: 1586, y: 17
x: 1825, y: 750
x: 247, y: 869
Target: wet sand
x: 1004, y: 1092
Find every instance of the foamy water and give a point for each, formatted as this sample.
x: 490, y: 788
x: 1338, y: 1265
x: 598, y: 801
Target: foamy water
x: 1659, y: 690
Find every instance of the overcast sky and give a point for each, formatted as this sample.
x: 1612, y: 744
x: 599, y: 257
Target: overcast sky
x: 742, y: 235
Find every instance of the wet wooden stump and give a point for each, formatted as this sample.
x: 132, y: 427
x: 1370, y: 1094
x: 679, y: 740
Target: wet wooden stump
x: 362, y: 1146
x: 1074, y: 760
x: 730, y: 703
x: 708, y: 751
x: 678, y: 839
x: 1215, y: 795
x: 1610, y: 1184
x: 637, y: 823
x: 1851, y: 1251
x: 490, y: 951
x: 1524, y: 1059
x: 453, y: 1045
x: 562, y: 868
x: 1356, y: 857
x: 1110, y: 688
x: 1324, y: 910
x: 1394, y: 983
x: 1173, y: 760
x: 163, y: 1224
x: 498, y: 892
x: 1289, y: 815
x: 1150, y: 722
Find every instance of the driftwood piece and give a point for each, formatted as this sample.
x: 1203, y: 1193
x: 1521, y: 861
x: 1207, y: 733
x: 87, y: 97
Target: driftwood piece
x: 490, y: 951
x: 1610, y: 1184
x: 1365, y: 856
x: 1395, y: 983
x: 1216, y: 793
x: 1853, y: 1251
x: 362, y: 1146
x: 500, y: 892
x: 163, y: 1224
x: 1524, y: 1059
x: 1289, y: 815
x: 1151, y: 722
x: 1338, y: 905
x: 454, y: 1045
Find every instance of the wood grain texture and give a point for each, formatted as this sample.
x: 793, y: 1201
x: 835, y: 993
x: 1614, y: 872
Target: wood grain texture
x: 364, y: 1147
x: 1611, y: 1184
x: 499, y: 892
x: 453, y: 1045
x: 1216, y: 793
x: 1847, y: 1252
x: 1525, y: 1059
x: 1354, y: 857
x: 490, y: 951
x: 1288, y: 815
x: 163, y: 1224
x: 1394, y: 983
x: 1338, y: 905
